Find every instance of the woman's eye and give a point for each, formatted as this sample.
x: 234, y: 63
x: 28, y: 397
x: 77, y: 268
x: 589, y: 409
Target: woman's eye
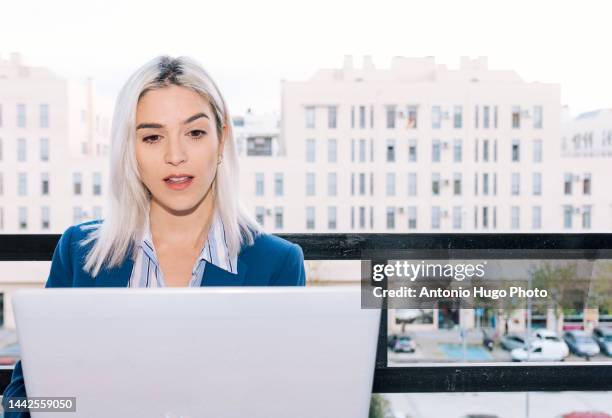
x: 150, y: 139
x: 197, y: 133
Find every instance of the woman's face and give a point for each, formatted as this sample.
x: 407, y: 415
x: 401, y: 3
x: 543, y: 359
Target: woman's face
x: 176, y: 135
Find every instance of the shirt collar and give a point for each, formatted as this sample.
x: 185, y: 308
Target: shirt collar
x: 214, y: 251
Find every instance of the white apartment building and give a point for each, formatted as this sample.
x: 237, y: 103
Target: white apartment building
x: 418, y: 147
x: 586, y: 149
x: 54, y: 147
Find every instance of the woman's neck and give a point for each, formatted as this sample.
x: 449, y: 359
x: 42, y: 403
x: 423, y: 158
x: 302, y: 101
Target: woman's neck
x: 184, y: 229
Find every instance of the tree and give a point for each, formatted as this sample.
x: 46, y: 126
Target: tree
x: 380, y: 407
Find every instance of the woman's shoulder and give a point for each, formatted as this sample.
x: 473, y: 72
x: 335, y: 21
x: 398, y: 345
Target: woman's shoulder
x: 271, y: 247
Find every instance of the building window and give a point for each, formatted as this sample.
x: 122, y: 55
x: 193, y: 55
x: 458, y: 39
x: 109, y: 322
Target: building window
x: 310, y: 117
x: 485, y: 117
x: 278, y: 217
x: 259, y: 184
x: 44, y: 149
x: 516, y: 184
x: 362, y: 187
x: 390, y: 184
x: 537, y: 184
x: 22, y: 184
x: 310, y: 184
x: 352, y: 184
x: 586, y: 184
x: 457, y: 150
x: 362, y: 117
x: 516, y: 117
x: 485, y: 150
x: 495, y: 150
x: 412, y: 117
x: 412, y: 217
x: 371, y: 116
x: 412, y: 150
x: 371, y: 184
x: 457, y: 217
x: 435, y: 184
x: 475, y: 184
x: 458, y: 117
x: 494, y: 184
x: 258, y: 145
x: 567, y: 216
x: 332, y: 150
x: 390, y: 217
x: 310, y: 150
x: 21, y: 115
x: 435, y: 150
x: 485, y: 184
x: 537, y: 150
x: 21, y: 150
x: 390, y: 150
x: 435, y: 217
x: 516, y: 150
x: 260, y: 213
x: 352, y: 150
x: 23, y: 217
x: 97, y: 184
x: 352, y: 117
x: 332, y: 184
x: 310, y: 217
x: 567, y: 183
x: 362, y: 150
x: 77, y: 214
x: 332, y: 213
x: 536, y: 217
x: 436, y: 117
x: 44, y: 115
x: 476, y: 117
x: 332, y: 117
x: 278, y: 184
x: 537, y: 117
x: 457, y: 184
x: 412, y: 184
x: 97, y: 212
x: 44, y: 180
x: 515, y: 220
x: 390, y: 112
x: 495, y: 122
x: 362, y: 217
x: 485, y: 217
x: 371, y: 150
x: 44, y: 217
x: 586, y: 217
x: 77, y: 183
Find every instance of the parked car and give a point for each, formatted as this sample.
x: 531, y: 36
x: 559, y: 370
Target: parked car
x: 553, y: 338
x: 402, y: 344
x: 511, y: 341
x: 539, y: 350
x: 581, y: 343
x: 586, y: 415
x: 603, y: 336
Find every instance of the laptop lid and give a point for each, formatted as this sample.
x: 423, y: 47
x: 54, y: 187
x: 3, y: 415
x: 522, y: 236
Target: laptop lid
x: 210, y: 352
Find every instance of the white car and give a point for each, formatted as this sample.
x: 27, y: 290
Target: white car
x: 553, y: 338
x: 539, y: 350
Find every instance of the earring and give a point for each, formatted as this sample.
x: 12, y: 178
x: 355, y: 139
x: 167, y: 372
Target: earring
x: 219, y: 160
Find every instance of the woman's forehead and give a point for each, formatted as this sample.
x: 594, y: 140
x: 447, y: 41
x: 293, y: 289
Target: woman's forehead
x: 174, y: 104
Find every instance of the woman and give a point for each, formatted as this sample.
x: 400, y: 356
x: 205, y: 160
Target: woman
x: 175, y: 218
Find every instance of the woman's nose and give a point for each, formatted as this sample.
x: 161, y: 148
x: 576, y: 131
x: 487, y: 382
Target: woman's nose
x: 175, y: 152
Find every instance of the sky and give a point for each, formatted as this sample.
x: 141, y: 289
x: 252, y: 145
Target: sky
x: 249, y: 46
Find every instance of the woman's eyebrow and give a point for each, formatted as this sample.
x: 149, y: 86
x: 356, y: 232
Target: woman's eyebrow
x: 159, y: 126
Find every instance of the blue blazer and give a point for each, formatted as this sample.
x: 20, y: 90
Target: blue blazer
x: 270, y: 261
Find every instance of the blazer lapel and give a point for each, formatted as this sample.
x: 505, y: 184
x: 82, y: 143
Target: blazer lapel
x: 116, y: 277
x: 216, y: 276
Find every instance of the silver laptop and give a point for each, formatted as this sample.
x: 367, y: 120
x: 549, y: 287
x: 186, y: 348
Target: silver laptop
x: 268, y: 352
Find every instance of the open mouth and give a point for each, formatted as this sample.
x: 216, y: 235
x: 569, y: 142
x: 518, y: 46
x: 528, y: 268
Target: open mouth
x: 178, y: 180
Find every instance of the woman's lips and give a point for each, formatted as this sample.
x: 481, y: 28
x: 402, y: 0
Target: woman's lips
x: 180, y: 185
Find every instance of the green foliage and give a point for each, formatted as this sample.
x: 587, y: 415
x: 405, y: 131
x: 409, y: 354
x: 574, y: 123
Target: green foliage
x: 380, y: 407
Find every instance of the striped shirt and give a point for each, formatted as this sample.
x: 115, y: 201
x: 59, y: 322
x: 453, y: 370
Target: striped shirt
x: 147, y: 272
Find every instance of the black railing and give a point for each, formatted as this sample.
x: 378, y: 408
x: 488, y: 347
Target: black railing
x: 442, y: 378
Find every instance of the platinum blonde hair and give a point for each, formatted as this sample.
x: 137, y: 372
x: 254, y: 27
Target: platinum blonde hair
x: 127, y: 207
